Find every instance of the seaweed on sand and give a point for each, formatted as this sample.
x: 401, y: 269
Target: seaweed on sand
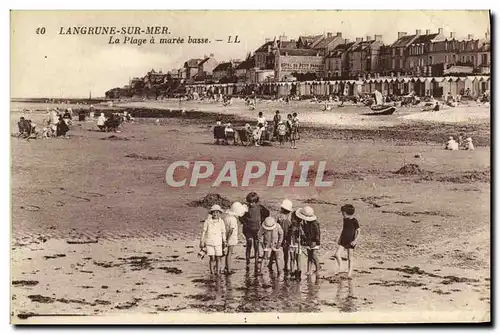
x: 211, y: 199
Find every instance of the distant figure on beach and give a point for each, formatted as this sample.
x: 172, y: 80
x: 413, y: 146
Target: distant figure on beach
x: 276, y: 121
x: 469, y: 146
x: 62, y: 127
x: 451, y: 144
x: 213, y: 237
x: 101, y: 120
x: 348, y: 237
x: 282, y: 131
x: 294, y: 131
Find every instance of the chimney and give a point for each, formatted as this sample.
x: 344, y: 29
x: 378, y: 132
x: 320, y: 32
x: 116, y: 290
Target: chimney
x: 339, y: 34
x: 347, y: 41
x: 205, y: 56
x: 368, y: 38
x: 452, y: 35
x: 440, y: 31
x: 329, y: 34
x: 470, y: 36
x: 401, y: 34
x: 268, y: 40
x: 211, y: 55
x: 378, y: 38
x: 418, y: 32
x: 359, y: 39
x: 428, y: 32
x: 269, y: 48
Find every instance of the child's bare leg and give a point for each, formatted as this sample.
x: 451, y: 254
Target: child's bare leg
x: 211, y: 264
x: 309, y: 261
x: 217, y: 260
x: 256, y: 252
x: 248, y: 250
x: 338, y: 257
x: 350, y: 258
x: 228, y: 258
x: 292, y: 262
x: 286, y: 258
x: 315, y: 260
x: 277, y: 259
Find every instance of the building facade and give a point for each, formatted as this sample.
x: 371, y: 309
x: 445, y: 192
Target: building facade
x: 364, y: 57
x: 226, y: 71
x: 206, y: 68
x: 290, y: 62
x: 191, y: 68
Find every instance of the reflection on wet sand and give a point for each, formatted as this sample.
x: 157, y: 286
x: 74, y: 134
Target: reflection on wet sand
x: 345, y: 296
x: 262, y: 293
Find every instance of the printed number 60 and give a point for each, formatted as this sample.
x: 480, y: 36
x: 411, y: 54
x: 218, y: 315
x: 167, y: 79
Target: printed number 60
x: 40, y: 31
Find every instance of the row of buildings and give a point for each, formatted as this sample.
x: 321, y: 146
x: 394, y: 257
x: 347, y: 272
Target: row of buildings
x: 330, y: 56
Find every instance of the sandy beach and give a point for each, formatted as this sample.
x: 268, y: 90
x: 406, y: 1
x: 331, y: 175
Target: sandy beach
x: 425, y: 240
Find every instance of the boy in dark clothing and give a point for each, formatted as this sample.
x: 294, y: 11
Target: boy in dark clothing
x: 252, y: 221
x: 312, y: 237
x: 348, y: 237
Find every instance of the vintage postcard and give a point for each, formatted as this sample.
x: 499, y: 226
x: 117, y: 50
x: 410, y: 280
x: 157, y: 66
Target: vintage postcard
x: 250, y: 167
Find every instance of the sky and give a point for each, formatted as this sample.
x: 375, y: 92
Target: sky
x: 70, y: 66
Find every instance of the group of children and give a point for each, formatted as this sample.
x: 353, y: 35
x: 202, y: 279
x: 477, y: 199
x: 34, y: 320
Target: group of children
x: 287, y: 130
x: 454, y: 145
x: 283, y: 239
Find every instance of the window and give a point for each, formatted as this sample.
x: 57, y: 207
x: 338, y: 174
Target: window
x: 472, y: 59
x: 430, y: 60
x: 445, y: 59
x: 454, y: 58
x: 484, y: 59
x: 401, y: 52
x: 401, y: 63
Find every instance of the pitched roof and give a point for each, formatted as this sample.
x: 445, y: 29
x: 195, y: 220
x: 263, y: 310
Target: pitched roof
x: 363, y: 45
x: 203, y: 61
x: 341, y: 48
x: 298, y: 52
x: 324, y: 42
x: 403, y: 41
x: 263, y: 47
x: 287, y: 44
x: 193, y: 62
x: 226, y: 66
x: 422, y: 39
x: 247, y: 64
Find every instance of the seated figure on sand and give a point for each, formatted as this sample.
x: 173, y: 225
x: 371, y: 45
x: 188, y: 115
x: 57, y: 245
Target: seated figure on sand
x: 101, y: 120
x: 451, y: 144
x: 469, y: 146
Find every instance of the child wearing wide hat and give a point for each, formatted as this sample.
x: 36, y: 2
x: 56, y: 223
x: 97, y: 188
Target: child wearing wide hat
x: 231, y: 218
x: 312, y: 237
x: 213, y: 237
x: 271, y: 237
x: 348, y: 238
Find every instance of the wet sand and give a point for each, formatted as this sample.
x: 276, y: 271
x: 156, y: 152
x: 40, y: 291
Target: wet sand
x: 424, y: 245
